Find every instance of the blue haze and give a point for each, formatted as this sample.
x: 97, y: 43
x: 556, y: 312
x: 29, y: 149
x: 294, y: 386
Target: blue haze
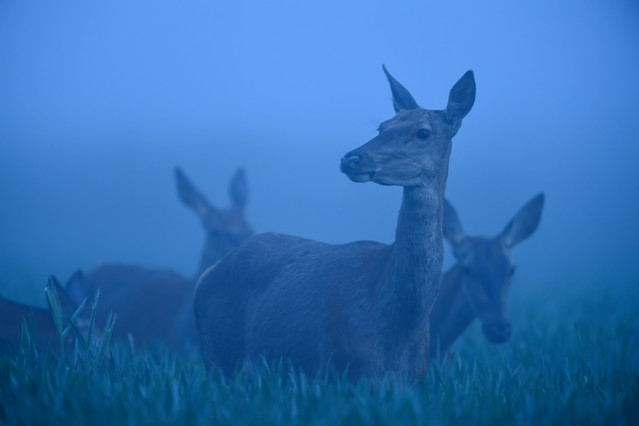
x: 98, y: 103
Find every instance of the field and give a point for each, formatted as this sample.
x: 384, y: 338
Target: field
x: 574, y: 360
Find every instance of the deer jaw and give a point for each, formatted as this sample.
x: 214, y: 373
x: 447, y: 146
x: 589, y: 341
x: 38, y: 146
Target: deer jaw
x: 225, y: 230
x: 477, y: 285
x: 413, y: 147
x: 485, y: 281
x: 408, y: 151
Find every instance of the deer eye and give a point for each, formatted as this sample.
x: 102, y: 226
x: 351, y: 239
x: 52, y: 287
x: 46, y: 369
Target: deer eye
x: 423, y: 134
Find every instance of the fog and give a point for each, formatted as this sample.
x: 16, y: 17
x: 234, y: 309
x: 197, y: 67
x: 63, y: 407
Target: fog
x: 99, y: 103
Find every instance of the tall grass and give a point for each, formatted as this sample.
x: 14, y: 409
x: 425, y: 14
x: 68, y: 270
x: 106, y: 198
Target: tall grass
x: 569, y: 362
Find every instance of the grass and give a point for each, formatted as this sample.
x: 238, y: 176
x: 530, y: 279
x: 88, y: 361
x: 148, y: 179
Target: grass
x: 569, y: 362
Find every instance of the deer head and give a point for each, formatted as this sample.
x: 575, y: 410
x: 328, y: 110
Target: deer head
x: 486, y: 268
x: 414, y: 146
x: 42, y: 322
x: 225, y: 229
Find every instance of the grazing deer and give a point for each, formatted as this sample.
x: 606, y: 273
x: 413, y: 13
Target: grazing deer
x: 477, y: 285
x: 362, y: 306
x: 156, y: 305
x: 43, y: 331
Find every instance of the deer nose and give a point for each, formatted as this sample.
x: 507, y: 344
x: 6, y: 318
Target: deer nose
x: 350, y: 162
x: 499, y: 332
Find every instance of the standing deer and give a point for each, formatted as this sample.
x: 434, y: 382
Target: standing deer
x: 43, y: 332
x: 157, y: 304
x: 362, y: 306
x: 477, y: 285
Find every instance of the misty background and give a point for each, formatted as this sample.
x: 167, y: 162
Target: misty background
x: 99, y: 103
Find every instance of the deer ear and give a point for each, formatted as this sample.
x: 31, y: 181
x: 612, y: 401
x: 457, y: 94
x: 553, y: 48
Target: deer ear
x: 452, y: 228
x: 402, y: 99
x: 76, y: 288
x: 238, y: 189
x: 67, y: 304
x: 524, y: 223
x: 190, y: 195
x: 461, y: 98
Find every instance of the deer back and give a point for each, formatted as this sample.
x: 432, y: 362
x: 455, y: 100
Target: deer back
x: 42, y: 329
x: 39, y: 320
x: 153, y: 305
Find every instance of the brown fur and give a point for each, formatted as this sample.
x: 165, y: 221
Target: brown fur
x: 156, y: 305
x: 362, y: 306
x: 477, y: 285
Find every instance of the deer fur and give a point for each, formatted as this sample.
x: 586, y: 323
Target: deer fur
x: 361, y: 307
x: 42, y: 330
x: 477, y: 285
x: 156, y: 305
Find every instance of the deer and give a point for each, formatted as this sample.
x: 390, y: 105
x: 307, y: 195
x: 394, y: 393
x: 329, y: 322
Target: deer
x: 156, y: 305
x: 43, y: 332
x: 360, y: 308
x: 153, y: 305
x: 477, y: 285
x: 225, y: 229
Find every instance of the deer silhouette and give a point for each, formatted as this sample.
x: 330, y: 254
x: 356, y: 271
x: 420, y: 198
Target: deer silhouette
x: 361, y: 307
x: 156, y: 305
x: 153, y: 305
x: 43, y: 331
x: 477, y: 285
x: 225, y: 229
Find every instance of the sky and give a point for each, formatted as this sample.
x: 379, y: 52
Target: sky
x: 99, y: 103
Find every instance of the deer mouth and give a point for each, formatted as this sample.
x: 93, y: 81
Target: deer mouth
x: 352, y: 167
x: 497, y: 333
x: 360, y: 177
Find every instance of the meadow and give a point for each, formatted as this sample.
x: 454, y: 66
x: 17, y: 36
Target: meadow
x: 572, y: 360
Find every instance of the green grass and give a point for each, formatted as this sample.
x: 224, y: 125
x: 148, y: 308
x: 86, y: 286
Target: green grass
x: 571, y: 361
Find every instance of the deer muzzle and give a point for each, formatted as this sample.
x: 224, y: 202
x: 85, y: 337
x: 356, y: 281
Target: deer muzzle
x: 497, y: 332
x: 356, y: 168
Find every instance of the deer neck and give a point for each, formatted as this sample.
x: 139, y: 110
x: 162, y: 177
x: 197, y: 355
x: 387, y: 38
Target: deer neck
x: 451, y: 313
x: 211, y: 253
x: 412, y: 283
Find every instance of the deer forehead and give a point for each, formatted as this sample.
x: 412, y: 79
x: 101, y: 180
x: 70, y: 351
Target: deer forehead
x: 225, y: 222
x: 485, y: 254
x: 418, y: 118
